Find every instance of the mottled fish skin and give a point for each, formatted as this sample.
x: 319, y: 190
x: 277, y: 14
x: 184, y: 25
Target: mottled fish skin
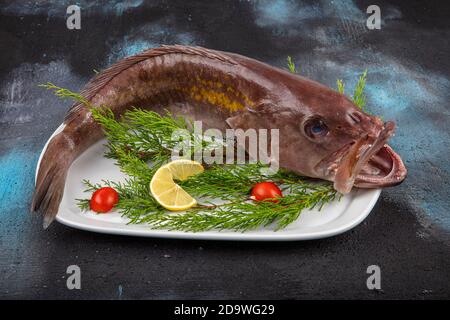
x: 222, y: 90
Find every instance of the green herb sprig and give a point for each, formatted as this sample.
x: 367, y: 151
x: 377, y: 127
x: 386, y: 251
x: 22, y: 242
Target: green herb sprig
x: 358, y: 97
x: 291, y: 65
x: 340, y: 86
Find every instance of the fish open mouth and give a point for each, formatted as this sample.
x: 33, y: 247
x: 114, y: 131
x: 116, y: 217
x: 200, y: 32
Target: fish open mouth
x: 385, y: 168
x: 368, y: 163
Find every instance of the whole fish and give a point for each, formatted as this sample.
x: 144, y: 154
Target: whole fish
x: 322, y: 133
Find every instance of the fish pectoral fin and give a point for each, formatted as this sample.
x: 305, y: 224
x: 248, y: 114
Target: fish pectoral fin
x: 238, y: 121
x: 243, y: 119
x: 263, y: 107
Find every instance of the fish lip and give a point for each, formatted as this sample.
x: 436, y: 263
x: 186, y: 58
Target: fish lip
x: 357, y: 157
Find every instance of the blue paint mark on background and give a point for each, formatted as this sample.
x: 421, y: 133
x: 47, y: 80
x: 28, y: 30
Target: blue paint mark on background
x: 16, y: 179
x: 17, y: 169
x: 146, y: 37
x: 121, y: 6
x: 59, y: 7
x: 281, y: 12
x: 287, y: 12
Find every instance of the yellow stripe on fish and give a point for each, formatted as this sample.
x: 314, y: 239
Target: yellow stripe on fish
x: 217, y: 93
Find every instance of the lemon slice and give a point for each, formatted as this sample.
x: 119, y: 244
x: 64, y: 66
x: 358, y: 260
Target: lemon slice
x: 169, y: 194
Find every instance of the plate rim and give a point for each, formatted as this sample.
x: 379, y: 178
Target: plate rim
x: 214, y: 234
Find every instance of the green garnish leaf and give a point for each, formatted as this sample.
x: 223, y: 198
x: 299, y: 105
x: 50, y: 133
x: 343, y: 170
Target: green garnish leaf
x: 359, y: 98
x: 340, y: 86
x: 291, y: 65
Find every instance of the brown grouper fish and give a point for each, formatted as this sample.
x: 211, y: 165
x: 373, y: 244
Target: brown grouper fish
x: 322, y: 133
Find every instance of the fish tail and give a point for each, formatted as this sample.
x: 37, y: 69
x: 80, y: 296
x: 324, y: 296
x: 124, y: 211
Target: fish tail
x: 51, y: 177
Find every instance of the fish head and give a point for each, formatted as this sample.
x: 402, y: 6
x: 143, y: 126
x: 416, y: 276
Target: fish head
x: 344, y: 144
x: 348, y: 146
x: 325, y: 135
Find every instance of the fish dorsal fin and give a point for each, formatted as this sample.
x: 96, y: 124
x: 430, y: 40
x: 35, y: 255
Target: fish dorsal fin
x: 104, y: 77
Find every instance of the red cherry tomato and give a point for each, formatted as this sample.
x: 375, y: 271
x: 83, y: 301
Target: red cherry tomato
x: 265, y: 190
x: 104, y: 199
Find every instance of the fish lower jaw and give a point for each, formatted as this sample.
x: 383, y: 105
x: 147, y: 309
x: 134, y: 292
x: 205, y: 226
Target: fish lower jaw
x: 384, y: 169
x: 364, y: 163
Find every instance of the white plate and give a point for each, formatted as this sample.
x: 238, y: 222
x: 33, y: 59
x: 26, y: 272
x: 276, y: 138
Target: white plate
x: 334, y: 218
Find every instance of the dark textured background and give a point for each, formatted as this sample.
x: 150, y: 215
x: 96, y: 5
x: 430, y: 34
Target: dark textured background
x: 407, y: 234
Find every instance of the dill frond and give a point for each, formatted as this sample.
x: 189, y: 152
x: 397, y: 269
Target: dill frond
x: 359, y: 98
x: 340, y: 86
x: 291, y: 65
x: 64, y: 93
x: 83, y: 204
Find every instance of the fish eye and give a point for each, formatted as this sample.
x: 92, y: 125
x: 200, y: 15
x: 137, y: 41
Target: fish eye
x: 315, y: 128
